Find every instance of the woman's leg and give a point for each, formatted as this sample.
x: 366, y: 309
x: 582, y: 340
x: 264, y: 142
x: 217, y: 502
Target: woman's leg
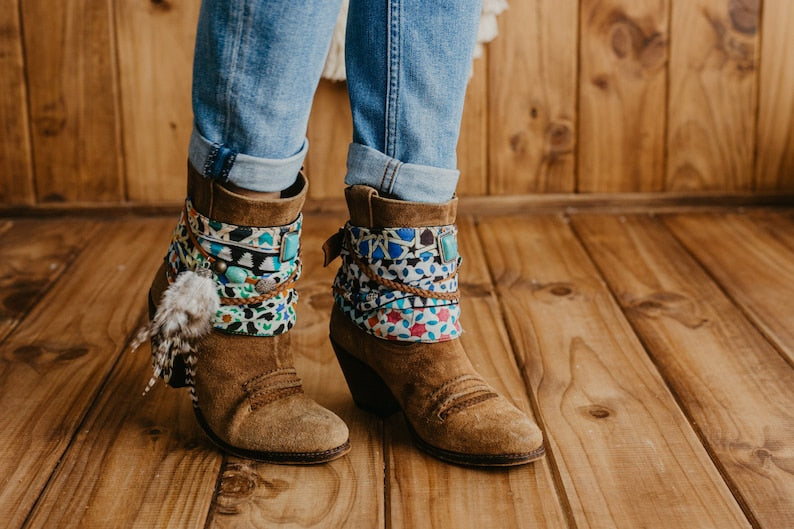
x: 224, y: 299
x: 395, y: 324
x: 408, y: 64
x: 257, y: 64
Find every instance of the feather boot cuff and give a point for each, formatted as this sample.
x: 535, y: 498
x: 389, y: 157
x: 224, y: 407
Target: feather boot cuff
x: 237, y: 279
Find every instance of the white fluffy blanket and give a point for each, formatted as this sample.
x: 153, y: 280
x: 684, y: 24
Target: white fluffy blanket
x: 335, y: 63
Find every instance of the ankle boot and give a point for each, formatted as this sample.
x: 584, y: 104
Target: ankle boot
x: 394, y: 328
x: 221, y: 305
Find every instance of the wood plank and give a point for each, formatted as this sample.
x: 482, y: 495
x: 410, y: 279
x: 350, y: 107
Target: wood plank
x: 330, y: 131
x: 712, y: 100
x: 347, y: 492
x: 532, y: 85
x: 35, y: 255
x: 425, y: 492
x: 752, y: 257
x: 473, y: 143
x: 616, y: 434
x: 73, y: 100
x: 732, y: 383
x: 55, y: 362
x: 774, y: 166
x: 16, y: 164
x: 155, y: 43
x: 136, y: 461
x: 622, y: 95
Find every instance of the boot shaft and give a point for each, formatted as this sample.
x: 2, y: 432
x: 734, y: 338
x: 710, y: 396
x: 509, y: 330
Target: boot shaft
x: 215, y: 201
x: 368, y: 209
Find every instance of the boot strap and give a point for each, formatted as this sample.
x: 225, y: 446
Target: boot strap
x: 254, y: 269
x: 399, y: 283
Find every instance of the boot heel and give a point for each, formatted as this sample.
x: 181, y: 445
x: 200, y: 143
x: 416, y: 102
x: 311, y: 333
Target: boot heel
x: 179, y: 371
x: 369, y: 391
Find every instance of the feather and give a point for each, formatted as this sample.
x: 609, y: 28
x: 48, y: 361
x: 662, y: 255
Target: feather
x: 184, y: 315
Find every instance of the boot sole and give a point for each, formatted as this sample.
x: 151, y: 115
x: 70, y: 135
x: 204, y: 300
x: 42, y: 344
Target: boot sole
x: 371, y: 394
x: 279, y: 458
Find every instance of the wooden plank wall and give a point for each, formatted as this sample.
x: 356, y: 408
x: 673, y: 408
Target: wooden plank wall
x: 574, y: 96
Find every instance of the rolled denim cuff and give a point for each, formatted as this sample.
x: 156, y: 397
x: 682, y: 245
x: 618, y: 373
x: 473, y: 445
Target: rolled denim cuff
x: 405, y: 181
x: 216, y: 161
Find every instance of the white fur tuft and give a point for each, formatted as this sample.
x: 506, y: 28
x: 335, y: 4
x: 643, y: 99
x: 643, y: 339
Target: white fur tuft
x: 185, y: 314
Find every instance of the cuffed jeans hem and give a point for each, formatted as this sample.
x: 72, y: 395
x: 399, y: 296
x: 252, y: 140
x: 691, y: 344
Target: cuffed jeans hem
x: 213, y: 160
x: 404, y: 181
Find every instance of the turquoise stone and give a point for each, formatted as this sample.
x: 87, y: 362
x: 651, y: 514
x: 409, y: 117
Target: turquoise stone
x: 449, y: 247
x: 235, y: 274
x: 289, y: 246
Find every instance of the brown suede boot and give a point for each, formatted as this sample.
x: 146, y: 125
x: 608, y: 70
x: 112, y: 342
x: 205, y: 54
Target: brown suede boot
x: 247, y: 395
x: 394, y: 329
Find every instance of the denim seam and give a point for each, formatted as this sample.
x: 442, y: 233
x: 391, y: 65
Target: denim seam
x: 227, y: 167
x: 383, y: 177
x: 236, y: 45
x: 210, y: 161
x: 393, y: 176
x: 393, y: 77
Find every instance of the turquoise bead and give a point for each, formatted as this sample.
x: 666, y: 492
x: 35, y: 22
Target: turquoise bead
x: 235, y: 274
x: 449, y: 247
x: 289, y: 246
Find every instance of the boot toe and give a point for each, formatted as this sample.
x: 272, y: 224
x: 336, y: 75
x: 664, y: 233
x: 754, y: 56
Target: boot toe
x: 492, y: 435
x: 292, y: 430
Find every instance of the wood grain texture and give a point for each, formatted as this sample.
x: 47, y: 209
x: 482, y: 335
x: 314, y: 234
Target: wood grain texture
x: 155, y: 43
x: 752, y: 257
x: 54, y: 363
x: 424, y: 492
x: 733, y: 384
x: 137, y: 462
x: 35, y: 255
x: 74, y: 112
x: 622, y: 95
x: 616, y: 434
x: 16, y: 167
x: 330, y: 131
x: 774, y: 167
x: 712, y: 101
x: 532, y: 98
x: 347, y: 492
x: 473, y: 143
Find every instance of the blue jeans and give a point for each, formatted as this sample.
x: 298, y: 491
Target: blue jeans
x: 257, y: 65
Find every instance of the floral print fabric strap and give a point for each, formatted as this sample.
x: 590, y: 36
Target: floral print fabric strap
x: 408, y: 290
x: 254, y: 269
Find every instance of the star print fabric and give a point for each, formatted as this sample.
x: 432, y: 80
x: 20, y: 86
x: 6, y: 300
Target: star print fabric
x: 424, y: 258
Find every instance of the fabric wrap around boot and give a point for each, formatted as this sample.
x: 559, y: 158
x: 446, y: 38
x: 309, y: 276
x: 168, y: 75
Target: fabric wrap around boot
x: 394, y: 327
x: 220, y: 306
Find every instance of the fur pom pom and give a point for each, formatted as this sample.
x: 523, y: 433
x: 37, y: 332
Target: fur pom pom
x: 185, y: 314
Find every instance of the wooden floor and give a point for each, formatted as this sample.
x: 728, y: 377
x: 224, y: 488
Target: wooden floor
x: 655, y: 351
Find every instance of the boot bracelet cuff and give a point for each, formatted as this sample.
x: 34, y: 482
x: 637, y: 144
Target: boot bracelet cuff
x: 400, y: 283
x: 254, y: 269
